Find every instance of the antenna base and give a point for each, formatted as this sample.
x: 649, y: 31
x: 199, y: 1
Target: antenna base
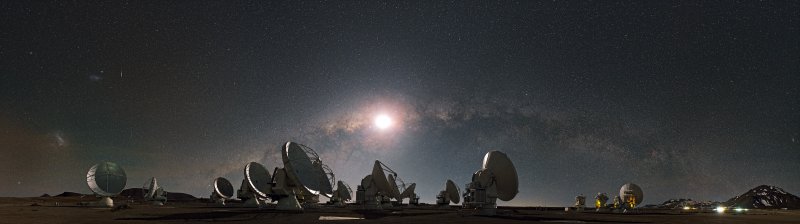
x: 106, y: 202
x: 252, y: 202
x: 289, y: 203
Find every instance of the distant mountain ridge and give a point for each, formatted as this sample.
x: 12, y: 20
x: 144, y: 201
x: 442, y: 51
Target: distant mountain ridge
x: 683, y: 202
x: 69, y: 194
x: 133, y: 193
x: 137, y: 193
x: 765, y: 196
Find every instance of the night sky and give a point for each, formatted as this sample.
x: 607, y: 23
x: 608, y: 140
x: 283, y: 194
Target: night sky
x: 687, y: 99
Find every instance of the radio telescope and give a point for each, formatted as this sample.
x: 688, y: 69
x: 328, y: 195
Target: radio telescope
x: 255, y: 184
x: 413, y: 198
x: 600, y: 201
x: 106, y: 179
x: 302, y: 179
x: 497, y: 179
x: 631, y: 195
x: 451, y: 193
x: 223, y: 190
x: 399, y: 189
x: 153, y: 192
x: 342, y: 194
x: 376, y: 191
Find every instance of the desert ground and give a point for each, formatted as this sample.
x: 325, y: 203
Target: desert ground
x: 68, y: 210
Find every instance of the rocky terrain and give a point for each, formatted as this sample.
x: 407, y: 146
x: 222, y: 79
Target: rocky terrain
x: 765, y: 197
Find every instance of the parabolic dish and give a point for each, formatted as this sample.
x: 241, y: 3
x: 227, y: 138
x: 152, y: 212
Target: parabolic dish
x: 345, y: 193
x: 301, y: 169
x: 106, y: 179
x: 409, y: 191
x: 395, y: 190
x: 631, y: 189
x: 326, y: 179
x: 258, y: 179
x: 223, y: 187
x: 504, y: 172
x: 151, y: 189
x: 452, y: 191
x: 366, y: 182
x: 379, y: 177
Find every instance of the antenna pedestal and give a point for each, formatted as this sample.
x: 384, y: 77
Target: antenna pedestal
x: 478, y: 199
x: 106, y: 202
x: 289, y: 203
x: 441, y: 199
x: 217, y: 199
x: 366, y: 197
x: 386, y: 201
x: 310, y: 201
x: 252, y: 202
x: 339, y: 203
x: 414, y: 200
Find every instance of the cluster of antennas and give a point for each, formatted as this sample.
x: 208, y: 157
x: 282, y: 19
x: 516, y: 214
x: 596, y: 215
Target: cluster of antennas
x: 304, y: 177
x: 108, y: 179
x: 380, y: 190
x: 630, y: 196
x: 297, y: 185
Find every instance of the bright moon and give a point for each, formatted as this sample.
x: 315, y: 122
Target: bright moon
x: 383, y: 121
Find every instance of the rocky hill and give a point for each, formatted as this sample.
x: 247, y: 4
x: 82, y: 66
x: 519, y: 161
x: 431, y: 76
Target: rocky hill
x: 765, y: 196
x: 137, y: 193
x: 69, y: 194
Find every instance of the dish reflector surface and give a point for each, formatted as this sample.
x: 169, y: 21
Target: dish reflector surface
x: 631, y: 190
x: 344, y: 191
x: 395, y: 190
x: 106, y: 179
x: 151, y: 189
x: 223, y: 187
x: 326, y: 179
x: 257, y: 178
x: 504, y: 172
x: 304, y: 171
x: 452, y: 191
x: 379, y: 177
x: 409, y: 191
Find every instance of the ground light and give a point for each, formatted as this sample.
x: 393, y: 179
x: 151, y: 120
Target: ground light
x: 720, y: 209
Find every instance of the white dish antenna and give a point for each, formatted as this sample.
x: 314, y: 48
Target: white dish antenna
x: 223, y: 190
x: 497, y: 179
x: 153, y: 192
x: 395, y: 187
x: 505, y: 174
x: 378, y: 188
x: 409, y: 191
x: 304, y: 167
x: 345, y: 191
x: 451, y: 193
x: 258, y: 179
x: 302, y: 179
x: 631, y: 195
x: 106, y: 179
x: 391, y: 185
x: 342, y: 194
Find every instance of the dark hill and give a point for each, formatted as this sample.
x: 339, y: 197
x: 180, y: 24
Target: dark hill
x: 69, y: 194
x: 765, y: 196
x: 137, y: 193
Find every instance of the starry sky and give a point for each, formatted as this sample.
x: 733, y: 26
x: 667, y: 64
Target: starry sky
x: 686, y: 99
